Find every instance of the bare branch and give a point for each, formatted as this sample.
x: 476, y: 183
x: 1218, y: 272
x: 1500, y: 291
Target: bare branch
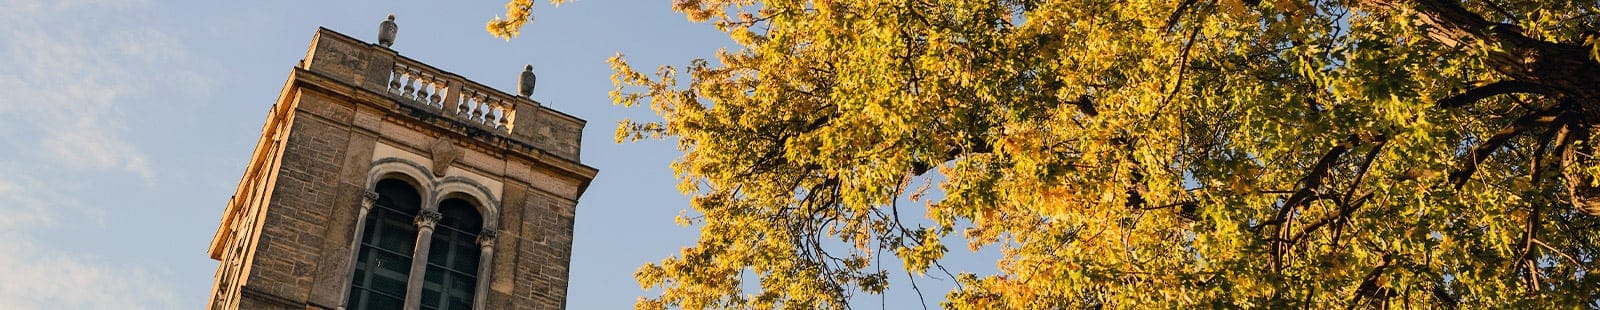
x: 1346, y: 205
x: 1172, y: 21
x: 1480, y: 153
x: 1309, y: 184
x: 1370, y: 287
x: 1490, y: 90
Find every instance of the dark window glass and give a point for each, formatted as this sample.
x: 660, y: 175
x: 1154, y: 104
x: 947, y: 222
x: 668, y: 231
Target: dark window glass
x: 452, y: 273
x: 384, y: 259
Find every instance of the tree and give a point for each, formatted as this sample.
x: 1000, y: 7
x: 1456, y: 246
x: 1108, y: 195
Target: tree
x: 1282, y: 153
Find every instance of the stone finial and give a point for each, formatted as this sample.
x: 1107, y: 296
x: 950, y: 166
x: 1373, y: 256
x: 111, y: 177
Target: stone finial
x: 386, y: 31
x: 525, y: 82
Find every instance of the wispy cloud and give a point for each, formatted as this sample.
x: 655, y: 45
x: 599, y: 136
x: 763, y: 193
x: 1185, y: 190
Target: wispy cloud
x: 70, y: 71
x: 41, y: 278
x: 24, y: 204
x: 38, y: 277
x: 69, y: 80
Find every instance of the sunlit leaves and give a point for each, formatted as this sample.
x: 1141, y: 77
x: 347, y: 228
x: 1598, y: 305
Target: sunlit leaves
x: 1163, y: 154
x: 518, y: 14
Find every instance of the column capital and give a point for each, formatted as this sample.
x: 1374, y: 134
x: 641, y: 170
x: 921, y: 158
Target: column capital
x: 428, y: 218
x: 368, y: 199
x: 486, y: 238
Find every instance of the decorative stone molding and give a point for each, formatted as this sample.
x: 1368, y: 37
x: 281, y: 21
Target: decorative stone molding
x: 444, y: 153
x: 481, y: 196
x: 487, y: 114
x: 525, y: 82
x: 368, y: 199
x: 486, y: 238
x: 434, y: 189
x: 428, y: 218
x: 386, y: 31
x: 394, y: 168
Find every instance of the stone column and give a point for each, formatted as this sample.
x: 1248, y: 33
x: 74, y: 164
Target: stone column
x: 480, y: 296
x: 419, y: 257
x: 367, y: 200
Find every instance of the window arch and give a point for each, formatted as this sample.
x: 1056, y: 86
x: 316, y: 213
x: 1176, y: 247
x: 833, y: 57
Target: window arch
x: 383, y: 262
x: 453, y: 257
x: 451, y: 240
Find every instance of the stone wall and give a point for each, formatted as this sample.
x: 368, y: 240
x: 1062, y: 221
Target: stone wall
x: 345, y: 113
x: 303, y: 250
x: 543, y: 252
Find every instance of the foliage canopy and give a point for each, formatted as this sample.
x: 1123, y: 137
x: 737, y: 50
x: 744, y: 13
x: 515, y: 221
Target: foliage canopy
x: 1132, y: 154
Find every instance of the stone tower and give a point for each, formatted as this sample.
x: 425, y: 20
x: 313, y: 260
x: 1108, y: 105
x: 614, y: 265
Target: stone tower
x: 380, y: 182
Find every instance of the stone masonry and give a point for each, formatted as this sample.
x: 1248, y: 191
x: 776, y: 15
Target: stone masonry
x: 286, y: 238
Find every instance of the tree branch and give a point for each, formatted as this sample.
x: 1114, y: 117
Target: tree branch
x: 1346, y: 205
x: 1085, y: 104
x: 1369, y: 287
x: 1305, y: 194
x: 1480, y: 153
x: 1562, y: 67
x: 1490, y: 90
x: 1172, y: 20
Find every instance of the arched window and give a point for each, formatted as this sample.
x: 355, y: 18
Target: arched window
x: 387, y: 241
x: 453, y: 258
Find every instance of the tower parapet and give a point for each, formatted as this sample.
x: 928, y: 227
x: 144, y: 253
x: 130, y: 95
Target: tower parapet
x: 381, y: 182
x: 415, y: 85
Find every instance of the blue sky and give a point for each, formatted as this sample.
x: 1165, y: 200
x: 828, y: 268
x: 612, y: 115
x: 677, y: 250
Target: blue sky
x: 125, y: 125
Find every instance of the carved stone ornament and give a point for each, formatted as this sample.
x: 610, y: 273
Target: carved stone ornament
x: 427, y: 218
x: 486, y: 238
x: 367, y: 199
x: 525, y: 82
x: 444, y: 154
x: 386, y: 31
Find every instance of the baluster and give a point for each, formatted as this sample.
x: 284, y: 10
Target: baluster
x: 466, y: 107
x: 466, y: 103
x: 394, y: 78
x: 505, y: 116
x: 422, y: 88
x: 438, y: 87
x: 411, y: 80
x: 489, y: 117
x: 477, y: 101
x: 477, y: 111
x: 427, y: 97
x: 421, y: 95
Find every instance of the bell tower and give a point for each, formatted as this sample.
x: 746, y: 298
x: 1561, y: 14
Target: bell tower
x: 381, y: 182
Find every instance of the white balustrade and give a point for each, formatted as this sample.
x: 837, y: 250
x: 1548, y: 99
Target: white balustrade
x: 487, y: 108
x: 472, y: 103
x: 417, y: 85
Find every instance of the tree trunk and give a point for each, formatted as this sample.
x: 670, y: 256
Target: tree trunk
x: 1563, y: 72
